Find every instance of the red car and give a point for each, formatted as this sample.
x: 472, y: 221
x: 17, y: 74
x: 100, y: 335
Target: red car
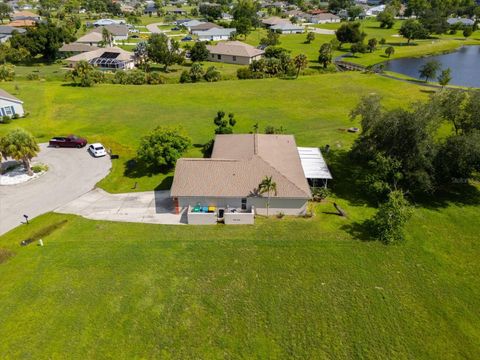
x: 68, y: 141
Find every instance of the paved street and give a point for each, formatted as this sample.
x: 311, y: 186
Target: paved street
x: 72, y: 173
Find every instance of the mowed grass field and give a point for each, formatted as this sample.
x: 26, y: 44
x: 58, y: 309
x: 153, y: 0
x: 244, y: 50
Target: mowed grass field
x: 282, y: 289
x: 301, y: 288
x: 313, y: 108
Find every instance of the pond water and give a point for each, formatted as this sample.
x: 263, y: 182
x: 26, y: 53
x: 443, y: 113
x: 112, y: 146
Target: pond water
x: 464, y: 64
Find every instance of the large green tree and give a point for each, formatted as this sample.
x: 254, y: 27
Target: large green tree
x: 5, y: 11
x: 350, y: 33
x: 412, y: 29
x: 164, y: 50
x: 162, y: 148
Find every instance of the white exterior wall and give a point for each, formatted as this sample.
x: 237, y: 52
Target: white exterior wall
x: 286, y: 206
x: 17, y: 107
x: 202, y: 218
x: 212, y: 38
x: 229, y: 59
x: 120, y: 38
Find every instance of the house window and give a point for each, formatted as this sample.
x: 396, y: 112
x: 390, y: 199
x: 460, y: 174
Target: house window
x: 234, y: 58
x: 244, y: 204
x: 213, y: 56
x: 219, y: 57
x: 8, y: 110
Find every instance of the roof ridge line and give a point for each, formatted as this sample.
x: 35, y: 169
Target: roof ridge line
x: 281, y: 174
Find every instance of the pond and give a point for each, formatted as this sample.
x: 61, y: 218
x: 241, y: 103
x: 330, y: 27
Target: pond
x: 464, y: 64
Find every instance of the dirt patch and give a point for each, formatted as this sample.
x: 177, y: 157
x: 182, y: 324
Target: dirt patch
x: 5, y: 255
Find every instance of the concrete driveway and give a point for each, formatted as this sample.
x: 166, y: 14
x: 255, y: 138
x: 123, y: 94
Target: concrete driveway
x: 72, y: 173
x: 153, y: 28
x: 152, y: 207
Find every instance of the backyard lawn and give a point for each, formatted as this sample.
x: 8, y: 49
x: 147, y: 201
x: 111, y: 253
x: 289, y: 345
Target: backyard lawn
x: 313, y: 108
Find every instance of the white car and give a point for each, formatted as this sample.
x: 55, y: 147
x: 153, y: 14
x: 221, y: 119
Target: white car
x: 97, y: 150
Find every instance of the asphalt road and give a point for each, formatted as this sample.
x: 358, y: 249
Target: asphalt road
x: 72, y: 173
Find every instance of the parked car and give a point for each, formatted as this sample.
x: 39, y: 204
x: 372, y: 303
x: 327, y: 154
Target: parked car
x: 67, y: 141
x: 187, y: 38
x: 97, y: 150
x: 175, y: 28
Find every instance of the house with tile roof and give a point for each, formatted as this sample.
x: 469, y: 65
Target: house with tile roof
x: 234, y: 52
x: 228, y: 182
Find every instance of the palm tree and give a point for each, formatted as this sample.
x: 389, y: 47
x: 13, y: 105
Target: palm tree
x: 107, y: 37
x: 300, y: 62
x: 20, y: 145
x: 266, y: 186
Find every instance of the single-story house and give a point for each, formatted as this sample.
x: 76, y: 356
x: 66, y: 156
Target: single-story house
x: 374, y: 11
x: 227, y: 16
x: 324, y: 18
x: 215, y: 34
x: 106, y: 22
x: 10, y: 105
x: 463, y: 21
x: 287, y: 28
x: 110, y: 58
x: 274, y: 20
x: 25, y: 15
x: 225, y: 187
x: 204, y: 27
x: 181, y: 21
x: 95, y: 37
x: 6, y: 32
x: 234, y: 52
x: 76, y: 48
x: 189, y: 24
x: 177, y: 11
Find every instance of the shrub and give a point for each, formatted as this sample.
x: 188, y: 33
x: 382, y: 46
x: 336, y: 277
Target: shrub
x: 185, y: 77
x: 155, y: 79
x: 320, y: 193
x: 280, y: 214
x: 212, y: 74
x: 33, y: 76
x: 387, y: 224
x: 7, y: 73
x: 382, y: 41
x: 15, y: 116
x: 39, y: 168
x: 6, y: 119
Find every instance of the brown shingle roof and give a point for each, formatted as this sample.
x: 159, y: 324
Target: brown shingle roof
x: 205, y: 26
x: 238, y: 165
x: 234, y: 48
x: 77, y: 47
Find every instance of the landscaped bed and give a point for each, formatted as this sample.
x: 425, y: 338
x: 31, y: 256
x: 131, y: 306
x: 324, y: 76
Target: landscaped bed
x: 15, y: 173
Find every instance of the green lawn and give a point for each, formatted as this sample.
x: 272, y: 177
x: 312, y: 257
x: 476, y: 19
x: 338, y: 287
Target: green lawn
x: 309, y: 107
x: 289, y: 288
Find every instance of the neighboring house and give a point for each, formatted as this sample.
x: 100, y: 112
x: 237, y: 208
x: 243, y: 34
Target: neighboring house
x: 374, y: 11
x: 177, y: 11
x: 76, y: 48
x: 204, y: 27
x: 106, y: 22
x: 234, y: 52
x: 324, y: 18
x: 215, y: 34
x: 10, y: 105
x: 463, y: 21
x: 111, y: 58
x: 95, y: 37
x: 287, y: 28
x: 26, y: 15
x: 181, y: 21
x: 274, y: 20
x: 6, y: 32
x: 189, y: 24
x: 225, y: 186
x: 227, y: 17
